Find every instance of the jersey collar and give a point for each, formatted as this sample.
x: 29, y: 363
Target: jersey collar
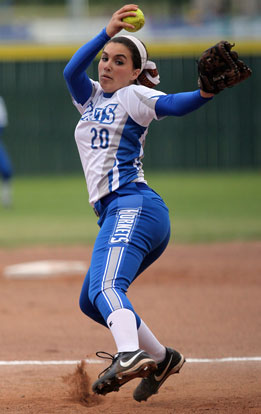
x: 108, y: 94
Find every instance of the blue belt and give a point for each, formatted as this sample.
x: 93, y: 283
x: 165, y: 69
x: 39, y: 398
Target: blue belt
x: 106, y: 200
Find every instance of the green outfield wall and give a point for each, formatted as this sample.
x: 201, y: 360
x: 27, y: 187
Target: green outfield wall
x: 225, y: 133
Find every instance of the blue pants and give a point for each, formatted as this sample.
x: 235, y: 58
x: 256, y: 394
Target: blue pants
x: 135, y: 230
x: 5, y: 164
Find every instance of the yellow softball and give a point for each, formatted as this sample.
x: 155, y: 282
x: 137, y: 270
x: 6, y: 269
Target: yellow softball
x: 137, y: 21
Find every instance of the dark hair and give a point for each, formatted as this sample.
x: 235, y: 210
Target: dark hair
x: 136, y: 59
x: 145, y: 76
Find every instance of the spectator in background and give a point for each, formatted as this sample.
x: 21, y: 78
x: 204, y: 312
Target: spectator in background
x: 6, y: 169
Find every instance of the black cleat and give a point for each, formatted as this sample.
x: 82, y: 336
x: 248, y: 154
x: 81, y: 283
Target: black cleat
x: 172, y: 364
x: 125, y: 366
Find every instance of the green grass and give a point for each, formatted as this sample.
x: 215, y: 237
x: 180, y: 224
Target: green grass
x: 213, y: 206
x: 204, y: 207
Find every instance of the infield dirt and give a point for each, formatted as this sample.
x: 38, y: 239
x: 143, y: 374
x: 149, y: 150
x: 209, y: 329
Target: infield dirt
x: 204, y: 300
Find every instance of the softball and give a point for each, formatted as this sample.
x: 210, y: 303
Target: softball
x: 137, y: 21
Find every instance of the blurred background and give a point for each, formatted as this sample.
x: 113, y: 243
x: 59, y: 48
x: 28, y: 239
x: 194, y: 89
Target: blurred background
x: 38, y: 37
x: 54, y: 20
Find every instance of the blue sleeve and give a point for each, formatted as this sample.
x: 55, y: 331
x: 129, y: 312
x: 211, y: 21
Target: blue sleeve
x: 77, y: 81
x: 179, y: 104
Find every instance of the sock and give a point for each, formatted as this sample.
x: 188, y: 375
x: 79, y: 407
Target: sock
x: 122, y: 324
x: 149, y: 343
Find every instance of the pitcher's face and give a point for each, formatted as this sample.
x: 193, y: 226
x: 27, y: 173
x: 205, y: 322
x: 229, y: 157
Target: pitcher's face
x: 116, y: 67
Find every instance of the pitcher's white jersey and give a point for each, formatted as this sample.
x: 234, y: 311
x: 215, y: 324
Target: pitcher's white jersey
x: 110, y: 136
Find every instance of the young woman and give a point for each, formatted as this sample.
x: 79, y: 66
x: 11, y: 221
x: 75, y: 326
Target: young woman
x: 133, y: 219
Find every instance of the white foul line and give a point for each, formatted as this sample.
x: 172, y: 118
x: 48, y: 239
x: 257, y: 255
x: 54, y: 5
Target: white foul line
x: 63, y: 362
x: 96, y: 361
x: 229, y: 359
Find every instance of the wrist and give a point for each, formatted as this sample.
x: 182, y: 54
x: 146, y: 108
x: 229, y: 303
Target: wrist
x: 206, y: 94
x: 108, y: 33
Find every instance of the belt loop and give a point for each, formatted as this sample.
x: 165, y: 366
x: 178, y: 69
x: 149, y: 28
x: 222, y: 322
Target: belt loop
x: 97, y: 208
x: 96, y: 212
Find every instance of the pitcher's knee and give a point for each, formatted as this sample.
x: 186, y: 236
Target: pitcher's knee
x: 90, y: 310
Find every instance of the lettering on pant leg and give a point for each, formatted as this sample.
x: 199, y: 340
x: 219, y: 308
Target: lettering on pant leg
x: 126, y: 219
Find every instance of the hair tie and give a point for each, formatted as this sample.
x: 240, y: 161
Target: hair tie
x: 149, y: 75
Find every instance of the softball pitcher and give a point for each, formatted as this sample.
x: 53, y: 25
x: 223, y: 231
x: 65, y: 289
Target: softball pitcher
x: 6, y: 169
x: 134, y: 220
